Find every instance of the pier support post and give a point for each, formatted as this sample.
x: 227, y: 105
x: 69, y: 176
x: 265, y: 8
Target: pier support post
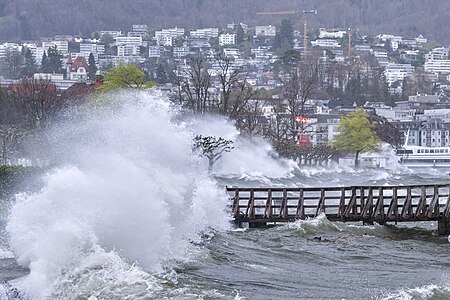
x: 238, y: 223
x: 257, y: 224
x: 443, y: 227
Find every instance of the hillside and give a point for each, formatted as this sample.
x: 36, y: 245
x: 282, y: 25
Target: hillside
x: 27, y: 19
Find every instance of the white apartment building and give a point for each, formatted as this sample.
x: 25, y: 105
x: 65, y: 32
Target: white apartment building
x: 140, y: 28
x: 154, y: 51
x: 227, y: 39
x: 234, y: 52
x: 440, y: 53
x: 165, y: 37
x: 5, y: 47
x: 397, y: 72
x: 385, y: 37
x: 129, y: 40
x: 334, y: 34
x: 438, y: 66
x: 180, y: 51
x: 268, y: 30
x: 62, y: 46
x: 326, y: 43
x: 204, y: 33
x: 112, y: 33
x: 92, y: 48
x: 128, y: 50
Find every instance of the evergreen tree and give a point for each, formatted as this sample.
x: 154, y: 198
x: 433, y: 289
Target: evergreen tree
x: 239, y: 34
x: 284, y: 38
x: 161, y: 76
x: 44, y: 63
x: 54, y: 60
x: 92, y: 67
x: 29, y: 66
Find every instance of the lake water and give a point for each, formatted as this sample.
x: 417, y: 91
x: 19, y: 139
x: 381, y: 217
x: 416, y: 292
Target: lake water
x: 128, y: 212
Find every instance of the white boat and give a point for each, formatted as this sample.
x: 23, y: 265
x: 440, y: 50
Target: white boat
x: 423, y: 157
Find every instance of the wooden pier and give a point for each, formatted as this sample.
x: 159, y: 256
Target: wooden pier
x: 368, y: 204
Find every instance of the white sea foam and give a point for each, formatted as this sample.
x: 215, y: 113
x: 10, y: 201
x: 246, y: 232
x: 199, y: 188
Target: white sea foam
x: 430, y: 291
x: 127, y: 197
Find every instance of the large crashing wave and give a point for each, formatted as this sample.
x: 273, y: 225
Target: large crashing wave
x: 127, y: 196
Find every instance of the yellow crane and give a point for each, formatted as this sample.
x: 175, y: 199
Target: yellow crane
x: 294, y: 12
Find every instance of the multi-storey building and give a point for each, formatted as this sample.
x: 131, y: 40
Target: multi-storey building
x: 438, y: 66
x: 227, y: 39
x: 397, y: 72
x: 128, y: 50
x: 62, y: 46
x: 129, y: 40
x: 268, y: 30
x: 204, y: 33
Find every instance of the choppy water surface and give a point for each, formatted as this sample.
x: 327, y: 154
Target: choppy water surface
x: 130, y: 213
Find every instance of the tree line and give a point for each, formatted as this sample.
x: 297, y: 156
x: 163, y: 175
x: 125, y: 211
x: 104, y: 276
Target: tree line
x: 28, y: 19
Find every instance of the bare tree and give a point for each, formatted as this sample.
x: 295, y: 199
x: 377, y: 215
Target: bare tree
x: 10, y: 139
x: 37, y: 100
x: 299, y: 83
x: 228, y: 77
x: 195, y: 86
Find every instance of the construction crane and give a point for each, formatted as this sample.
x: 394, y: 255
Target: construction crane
x: 294, y: 12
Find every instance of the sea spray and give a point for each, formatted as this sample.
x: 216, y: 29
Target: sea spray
x: 251, y: 157
x: 126, y: 186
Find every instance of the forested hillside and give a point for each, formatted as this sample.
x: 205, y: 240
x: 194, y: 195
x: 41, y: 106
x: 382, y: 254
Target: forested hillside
x: 27, y: 19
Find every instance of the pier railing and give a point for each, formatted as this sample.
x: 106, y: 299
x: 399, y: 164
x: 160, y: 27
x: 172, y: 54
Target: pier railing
x: 355, y: 203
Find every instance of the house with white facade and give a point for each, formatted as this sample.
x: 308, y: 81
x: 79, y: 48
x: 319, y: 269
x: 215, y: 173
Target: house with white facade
x: 397, y: 72
x: 440, y: 66
x: 62, y: 46
x: 77, y: 69
x: 204, y: 33
x: 326, y: 43
x: 128, y: 50
x: 440, y: 53
x: 165, y: 37
x: 129, y: 40
x: 227, y: 39
x: 154, y: 51
x: 181, y: 51
x: 331, y: 34
x: 267, y: 30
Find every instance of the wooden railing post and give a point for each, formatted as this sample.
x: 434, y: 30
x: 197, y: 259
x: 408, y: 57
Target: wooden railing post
x: 284, y: 208
x: 392, y: 213
x: 368, y: 205
x: 300, y: 206
x: 250, y: 211
x: 236, y: 209
x: 446, y: 213
x: 341, y: 212
x: 421, y: 207
x: 268, y: 212
x: 433, y: 208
